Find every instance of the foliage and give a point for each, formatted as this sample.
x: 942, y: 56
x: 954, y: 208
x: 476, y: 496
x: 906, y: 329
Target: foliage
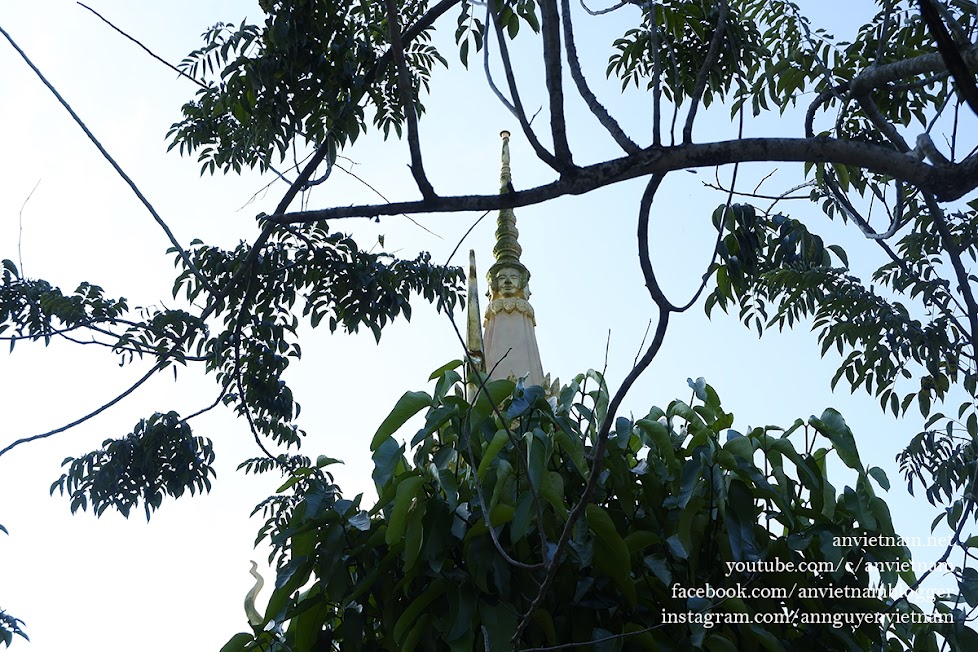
x: 10, y: 626
x: 160, y: 457
x: 680, y: 493
x: 452, y: 552
x: 324, y: 277
x: 269, y: 86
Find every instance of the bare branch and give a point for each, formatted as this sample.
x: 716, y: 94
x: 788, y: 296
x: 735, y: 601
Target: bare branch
x: 550, y: 31
x: 485, y: 63
x: 603, y: 639
x: 94, y: 413
x: 574, y: 63
x: 20, y: 227
x: 407, y: 101
x: 597, y: 454
x: 608, y: 10
x: 947, y: 183
x: 539, y: 149
x: 872, y: 112
x: 147, y: 50
x: 712, y: 56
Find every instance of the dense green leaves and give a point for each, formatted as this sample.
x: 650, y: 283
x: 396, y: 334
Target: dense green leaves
x: 307, y: 74
x: 450, y: 557
x: 160, y: 457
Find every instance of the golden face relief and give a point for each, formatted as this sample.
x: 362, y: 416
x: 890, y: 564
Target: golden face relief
x: 509, y: 282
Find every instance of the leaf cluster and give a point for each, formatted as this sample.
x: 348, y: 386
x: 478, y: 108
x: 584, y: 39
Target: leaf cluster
x: 779, y: 273
x: 35, y: 310
x: 683, y: 30
x: 308, y: 73
x: 160, y: 457
x: 463, y: 531
x: 10, y: 626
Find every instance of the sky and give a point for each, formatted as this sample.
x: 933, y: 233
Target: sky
x: 65, y: 216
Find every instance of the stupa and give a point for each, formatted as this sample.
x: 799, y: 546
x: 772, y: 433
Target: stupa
x: 508, y: 349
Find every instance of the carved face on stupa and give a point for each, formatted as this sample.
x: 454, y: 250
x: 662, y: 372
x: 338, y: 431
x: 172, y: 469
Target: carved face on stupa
x: 508, y: 282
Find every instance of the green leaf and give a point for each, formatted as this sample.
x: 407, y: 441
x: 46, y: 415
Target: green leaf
x: 500, y: 625
x: 440, y: 371
x: 498, y: 391
x: 499, y: 440
x: 407, y: 406
x: 553, y: 492
x: 238, y: 643
x: 833, y: 426
x: 535, y: 458
x: 410, y: 615
x: 879, y: 475
x: 610, y: 552
x: 407, y: 490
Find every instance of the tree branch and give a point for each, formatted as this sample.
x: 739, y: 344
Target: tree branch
x: 712, y: 56
x: 550, y: 31
x: 404, y: 87
x: 574, y: 63
x: 597, y: 453
x: 146, y: 49
x: 947, y: 183
x: 539, y: 149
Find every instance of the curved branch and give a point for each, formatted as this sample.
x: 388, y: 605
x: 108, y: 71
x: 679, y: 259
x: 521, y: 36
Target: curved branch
x: 94, y: 413
x: 597, y: 453
x: 492, y: 83
x: 608, y: 10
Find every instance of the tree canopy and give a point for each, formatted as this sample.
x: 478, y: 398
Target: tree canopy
x: 885, y: 145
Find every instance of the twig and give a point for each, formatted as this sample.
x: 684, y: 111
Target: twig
x: 641, y: 346
x: 381, y: 195
x: 603, y: 639
x: 464, y: 236
x: 94, y: 413
x: 20, y: 228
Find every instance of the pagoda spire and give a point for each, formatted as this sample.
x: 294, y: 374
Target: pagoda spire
x: 510, y: 342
